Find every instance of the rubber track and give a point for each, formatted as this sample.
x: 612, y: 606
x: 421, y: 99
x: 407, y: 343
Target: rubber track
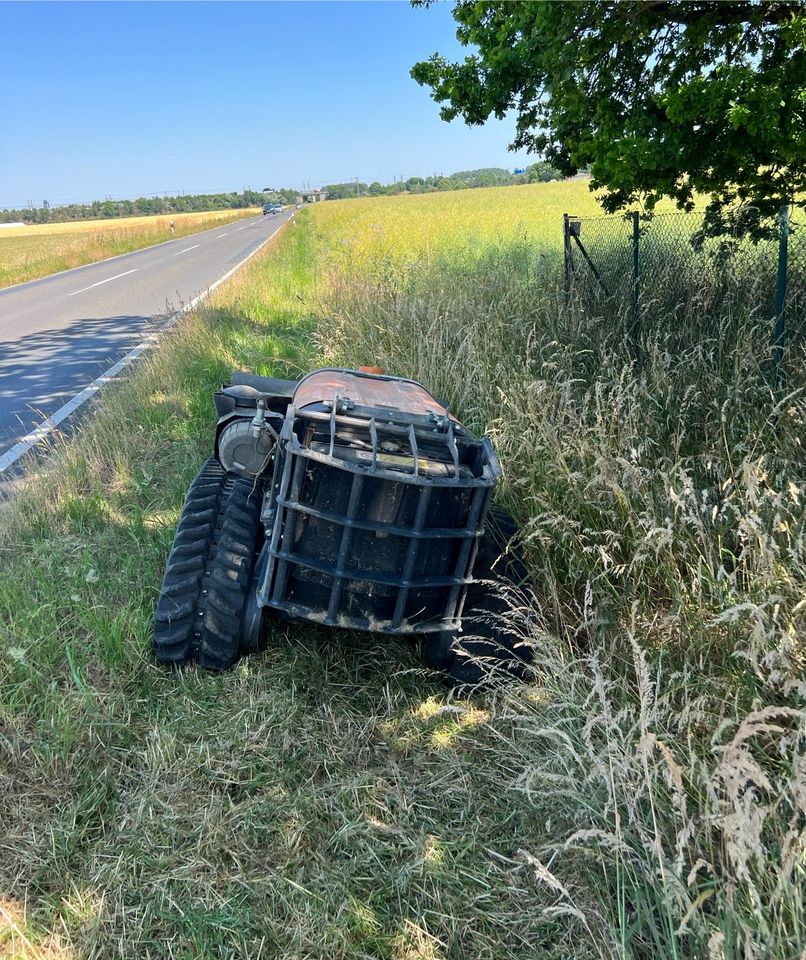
x: 177, y: 608
x: 207, y: 573
x: 485, y: 641
x: 228, y: 581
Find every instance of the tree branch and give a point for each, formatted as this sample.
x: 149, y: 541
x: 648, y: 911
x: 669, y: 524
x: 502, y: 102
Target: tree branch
x: 724, y: 14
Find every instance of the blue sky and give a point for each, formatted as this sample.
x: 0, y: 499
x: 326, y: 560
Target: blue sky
x: 123, y: 99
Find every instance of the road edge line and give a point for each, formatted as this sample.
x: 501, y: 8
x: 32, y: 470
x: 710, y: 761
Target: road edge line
x: 43, y: 429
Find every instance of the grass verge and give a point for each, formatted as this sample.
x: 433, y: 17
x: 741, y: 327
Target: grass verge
x: 642, y: 798
x: 315, y: 802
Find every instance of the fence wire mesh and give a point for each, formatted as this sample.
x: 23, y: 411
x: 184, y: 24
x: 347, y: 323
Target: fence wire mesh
x: 645, y: 268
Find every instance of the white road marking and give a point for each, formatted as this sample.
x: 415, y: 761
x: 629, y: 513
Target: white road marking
x: 30, y: 440
x: 188, y: 248
x: 98, y: 284
x: 241, y: 228
x: 223, y: 235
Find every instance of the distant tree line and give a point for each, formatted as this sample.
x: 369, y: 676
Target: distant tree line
x: 203, y: 202
x: 463, y: 180
x: 145, y: 206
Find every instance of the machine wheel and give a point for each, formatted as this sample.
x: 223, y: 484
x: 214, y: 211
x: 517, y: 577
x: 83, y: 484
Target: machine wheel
x: 487, y: 649
x: 254, y: 618
x: 209, y: 571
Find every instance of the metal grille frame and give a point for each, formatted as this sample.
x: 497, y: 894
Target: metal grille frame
x: 284, y: 508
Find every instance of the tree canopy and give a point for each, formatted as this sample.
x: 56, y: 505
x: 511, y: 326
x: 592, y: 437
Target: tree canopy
x: 654, y: 98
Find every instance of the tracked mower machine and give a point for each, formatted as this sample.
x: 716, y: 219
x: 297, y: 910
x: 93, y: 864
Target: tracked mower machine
x: 347, y: 499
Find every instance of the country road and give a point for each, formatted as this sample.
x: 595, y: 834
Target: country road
x: 58, y: 334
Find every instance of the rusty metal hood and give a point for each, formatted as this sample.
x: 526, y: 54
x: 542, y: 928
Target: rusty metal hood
x: 366, y: 390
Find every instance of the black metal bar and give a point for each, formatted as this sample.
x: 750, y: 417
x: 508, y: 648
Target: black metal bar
x: 454, y: 451
x: 411, y: 558
x: 415, y: 453
x: 373, y: 436
x: 459, y: 611
x: 591, y: 264
x: 344, y: 547
x: 387, y: 419
x: 401, y: 476
x: 268, y: 590
x: 293, y: 496
x: 390, y: 580
x: 635, y: 320
x: 479, y: 500
x: 333, y: 424
x: 568, y: 264
x: 780, y: 291
x: 379, y: 526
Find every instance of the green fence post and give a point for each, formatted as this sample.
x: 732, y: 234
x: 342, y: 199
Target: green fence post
x: 780, y: 291
x: 634, y: 294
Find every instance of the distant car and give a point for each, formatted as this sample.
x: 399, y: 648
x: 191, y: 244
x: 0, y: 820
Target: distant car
x: 272, y: 208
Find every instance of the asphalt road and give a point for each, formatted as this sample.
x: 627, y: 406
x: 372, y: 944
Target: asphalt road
x: 58, y: 334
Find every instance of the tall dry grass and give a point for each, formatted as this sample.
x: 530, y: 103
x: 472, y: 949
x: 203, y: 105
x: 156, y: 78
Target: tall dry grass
x: 662, y: 510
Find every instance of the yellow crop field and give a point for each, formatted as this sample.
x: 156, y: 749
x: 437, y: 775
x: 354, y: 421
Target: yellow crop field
x: 41, y: 249
x: 409, y: 227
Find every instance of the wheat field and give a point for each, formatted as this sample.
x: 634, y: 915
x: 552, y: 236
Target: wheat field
x: 27, y: 253
x: 409, y: 226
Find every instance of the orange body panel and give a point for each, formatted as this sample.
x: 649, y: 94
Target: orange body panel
x: 366, y: 391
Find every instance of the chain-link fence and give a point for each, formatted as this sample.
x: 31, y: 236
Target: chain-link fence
x: 646, y: 267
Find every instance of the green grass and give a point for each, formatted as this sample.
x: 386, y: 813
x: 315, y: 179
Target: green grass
x: 327, y: 799
x: 314, y: 802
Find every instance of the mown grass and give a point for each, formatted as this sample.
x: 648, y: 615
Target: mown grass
x: 27, y: 253
x: 643, y: 797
